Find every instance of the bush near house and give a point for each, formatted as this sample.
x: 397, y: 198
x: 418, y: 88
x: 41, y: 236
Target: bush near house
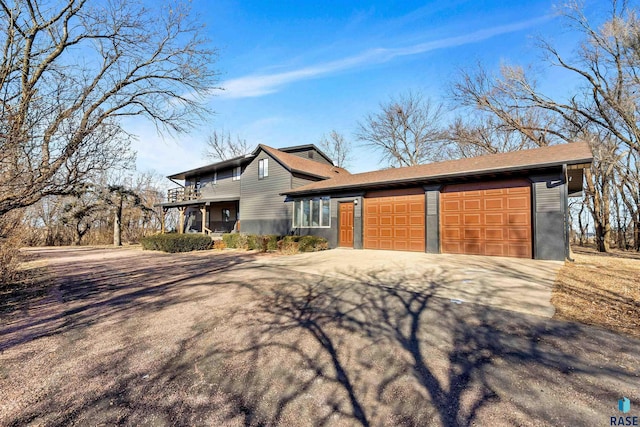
x: 176, y: 242
x: 272, y: 242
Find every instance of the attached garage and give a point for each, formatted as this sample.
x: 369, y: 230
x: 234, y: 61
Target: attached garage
x: 487, y: 219
x: 511, y: 204
x: 394, y: 220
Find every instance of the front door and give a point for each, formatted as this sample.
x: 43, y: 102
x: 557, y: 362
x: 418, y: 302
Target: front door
x: 346, y: 225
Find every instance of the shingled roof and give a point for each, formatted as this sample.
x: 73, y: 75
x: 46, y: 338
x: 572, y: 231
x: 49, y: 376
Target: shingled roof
x: 537, y: 158
x: 304, y: 166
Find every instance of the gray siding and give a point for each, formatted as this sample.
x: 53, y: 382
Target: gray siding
x: 549, y: 216
x: 432, y: 224
x: 225, y: 185
x: 299, y: 181
x: 262, y: 208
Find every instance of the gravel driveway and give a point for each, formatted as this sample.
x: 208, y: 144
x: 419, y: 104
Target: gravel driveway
x: 140, y: 338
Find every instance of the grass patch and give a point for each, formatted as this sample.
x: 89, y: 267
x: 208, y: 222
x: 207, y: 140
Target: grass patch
x: 601, y: 290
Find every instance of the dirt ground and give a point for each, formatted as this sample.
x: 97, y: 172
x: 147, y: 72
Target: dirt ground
x: 601, y: 289
x: 126, y: 337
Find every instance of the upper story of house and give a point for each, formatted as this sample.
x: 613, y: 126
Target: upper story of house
x: 266, y: 169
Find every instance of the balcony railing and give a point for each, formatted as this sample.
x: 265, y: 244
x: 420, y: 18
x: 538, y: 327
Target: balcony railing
x: 180, y: 194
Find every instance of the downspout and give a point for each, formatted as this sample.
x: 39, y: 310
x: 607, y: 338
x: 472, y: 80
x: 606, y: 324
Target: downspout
x: 567, y: 232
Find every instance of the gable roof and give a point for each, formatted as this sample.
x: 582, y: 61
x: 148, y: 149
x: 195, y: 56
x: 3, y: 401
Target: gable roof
x: 289, y: 161
x: 301, y: 165
x: 537, y: 158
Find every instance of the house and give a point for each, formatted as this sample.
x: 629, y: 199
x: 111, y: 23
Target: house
x: 244, y: 193
x: 509, y: 204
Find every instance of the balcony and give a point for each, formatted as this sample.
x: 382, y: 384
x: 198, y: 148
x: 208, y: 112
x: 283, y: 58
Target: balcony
x: 180, y: 194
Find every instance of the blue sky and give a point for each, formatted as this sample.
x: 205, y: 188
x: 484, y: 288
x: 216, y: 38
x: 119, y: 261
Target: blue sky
x: 294, y: 70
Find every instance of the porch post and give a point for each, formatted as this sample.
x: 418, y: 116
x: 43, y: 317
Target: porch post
x: 203, y: 211
x: 162, y: 219
x: 181, y: 221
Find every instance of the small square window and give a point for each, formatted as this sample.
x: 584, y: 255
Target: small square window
x: 236, y: 174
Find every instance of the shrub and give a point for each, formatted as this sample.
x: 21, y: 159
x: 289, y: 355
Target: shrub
x: 9, y: 252
x: 253, y: 241
x: 312, y: 243
x: 231, y: 239
x: 176, y: 242
x: 288, y: 246
x: 294, y: 244
x: 219, y: 245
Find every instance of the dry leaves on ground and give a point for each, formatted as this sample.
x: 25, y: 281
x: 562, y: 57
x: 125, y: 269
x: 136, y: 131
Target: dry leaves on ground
x: 601, y: 290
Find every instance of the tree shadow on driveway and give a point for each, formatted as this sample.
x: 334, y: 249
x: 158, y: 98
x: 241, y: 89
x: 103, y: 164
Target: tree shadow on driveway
x: 246, y: 344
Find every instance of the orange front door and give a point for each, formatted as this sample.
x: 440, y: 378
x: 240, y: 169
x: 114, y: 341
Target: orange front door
x: 346, y: 225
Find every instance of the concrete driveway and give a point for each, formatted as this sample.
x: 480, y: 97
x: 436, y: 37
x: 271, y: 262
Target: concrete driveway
x: 521, y: 285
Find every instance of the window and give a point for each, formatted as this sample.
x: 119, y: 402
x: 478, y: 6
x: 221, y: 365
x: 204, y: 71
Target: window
x: 226, y: 215
x: 236, y: 174
x: 263, y: 168
x: 312, y: 213
x: 215, y: 178
x: 326, y: 212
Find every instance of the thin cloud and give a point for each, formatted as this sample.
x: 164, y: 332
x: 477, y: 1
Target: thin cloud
x: 263, y: 84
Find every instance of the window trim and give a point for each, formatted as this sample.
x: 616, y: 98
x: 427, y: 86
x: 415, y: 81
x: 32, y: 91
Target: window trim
x: 314, y: 201
x: 234, y: 176
x: 263, y: 168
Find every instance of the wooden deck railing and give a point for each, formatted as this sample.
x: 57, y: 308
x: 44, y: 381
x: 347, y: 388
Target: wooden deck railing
x: 180, y: 194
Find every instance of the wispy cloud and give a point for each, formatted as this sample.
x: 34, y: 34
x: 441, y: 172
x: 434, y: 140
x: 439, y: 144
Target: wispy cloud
x: 262, y: 84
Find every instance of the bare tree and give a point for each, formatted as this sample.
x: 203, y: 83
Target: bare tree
x: 337, y: 148
x: 221, y: 146
x: 71, y: 69
x: 479, y: 134
x: 601, y: 110
x: 117, y: 196
x: 407, y: 130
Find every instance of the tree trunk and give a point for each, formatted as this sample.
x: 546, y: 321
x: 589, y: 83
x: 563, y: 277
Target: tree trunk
x: 581, y: 226
x: 599, y: 210
x: 117, y: 224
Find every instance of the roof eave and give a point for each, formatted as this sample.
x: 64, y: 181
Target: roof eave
x: 212, y: 167
x: 441, y: 177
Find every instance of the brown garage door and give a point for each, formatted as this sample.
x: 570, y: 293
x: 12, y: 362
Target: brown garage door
x: 394, y: 220
x: 487, y: 219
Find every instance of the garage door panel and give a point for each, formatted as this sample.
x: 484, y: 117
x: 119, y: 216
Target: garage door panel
x: 472, y: 233
x: 471, y: 205
x: 520, y: 202
x: 451, y: 234
x: 472, y: 248
x: 495, y: 249
x: 471, y: 219
x: 451, y: 206
x: 397, y: 224
x: 518, y: 233
x: 519, y: 218
x: 416, y: 220
x: 494, y: 218
x: 451, y: 219
x: 491, y: 203
x: 400, y: 221
x: 494, y: 234
x: 487, y: 219
x: 519, y: 251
